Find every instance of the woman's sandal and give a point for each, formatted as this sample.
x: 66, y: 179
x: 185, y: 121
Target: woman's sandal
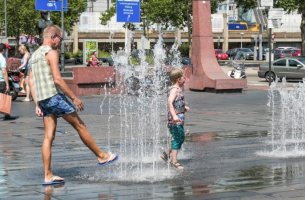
x: 164, y: 156
x: 177, y: 165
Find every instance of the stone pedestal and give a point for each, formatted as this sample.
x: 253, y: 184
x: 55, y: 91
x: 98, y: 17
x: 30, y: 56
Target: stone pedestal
x: 207, y: 74
x: 91, y: 81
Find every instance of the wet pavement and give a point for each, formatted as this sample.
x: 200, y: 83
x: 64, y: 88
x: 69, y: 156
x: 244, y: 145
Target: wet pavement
x: 225, y: 132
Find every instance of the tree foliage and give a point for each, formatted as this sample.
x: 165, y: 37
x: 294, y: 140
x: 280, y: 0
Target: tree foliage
x: 164, y: 12
x: 22, y: 18
x: 75, y: 8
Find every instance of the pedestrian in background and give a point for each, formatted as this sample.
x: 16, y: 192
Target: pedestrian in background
x: 4, y: 84
x: 24, y: 68
x: 46, y: 83
x: 176, y: 108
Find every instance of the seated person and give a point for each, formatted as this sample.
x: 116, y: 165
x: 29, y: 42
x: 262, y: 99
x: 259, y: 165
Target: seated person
x: 93, y: 61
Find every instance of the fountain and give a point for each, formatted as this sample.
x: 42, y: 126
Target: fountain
x: 287, y: 121
x: 142, y: 114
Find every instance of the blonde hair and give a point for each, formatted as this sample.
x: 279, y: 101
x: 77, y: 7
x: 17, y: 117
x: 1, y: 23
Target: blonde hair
x: 51, y: 30
x: 23, y: 48
x: 175, y: 74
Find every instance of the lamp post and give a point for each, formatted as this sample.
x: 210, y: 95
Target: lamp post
x: 92, y: 5
x: 5, y: 19
x: 241, y: 39
x: 62, y: 48
x: 144, y: 26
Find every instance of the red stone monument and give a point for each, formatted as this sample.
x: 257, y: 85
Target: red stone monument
x: 207, y: 74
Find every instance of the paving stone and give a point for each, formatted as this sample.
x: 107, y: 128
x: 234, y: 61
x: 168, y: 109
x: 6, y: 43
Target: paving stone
x: 220, y: 155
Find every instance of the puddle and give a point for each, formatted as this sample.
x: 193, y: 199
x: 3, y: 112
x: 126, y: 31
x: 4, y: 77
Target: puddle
x: 201, y: 137
x: 210, y: 136
x: 261, y: 176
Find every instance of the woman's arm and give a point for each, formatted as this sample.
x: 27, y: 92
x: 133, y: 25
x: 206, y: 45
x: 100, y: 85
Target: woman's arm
x: 25, y: 60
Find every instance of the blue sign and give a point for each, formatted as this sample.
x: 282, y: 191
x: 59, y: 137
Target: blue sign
x: 237, y: 27
x: 50, y: 5
x: 128, y: 10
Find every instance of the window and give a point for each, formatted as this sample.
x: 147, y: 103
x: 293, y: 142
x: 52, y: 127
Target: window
x: 293, y: 63
x: 280, y: 63
x: 84, y: 20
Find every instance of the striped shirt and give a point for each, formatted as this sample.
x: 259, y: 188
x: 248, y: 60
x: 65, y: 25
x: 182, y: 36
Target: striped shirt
x: 42, y: 75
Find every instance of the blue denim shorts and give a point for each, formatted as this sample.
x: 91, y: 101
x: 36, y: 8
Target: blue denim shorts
x: 57, y: 105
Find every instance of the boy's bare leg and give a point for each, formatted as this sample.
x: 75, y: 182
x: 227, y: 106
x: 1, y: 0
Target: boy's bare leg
x: 50, y: 123
x: 174, y: 155
x: 85, y: 136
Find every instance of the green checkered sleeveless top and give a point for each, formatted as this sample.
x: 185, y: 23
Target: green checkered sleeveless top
x: 42, y: 76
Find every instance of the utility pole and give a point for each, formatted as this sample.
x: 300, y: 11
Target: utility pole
x: 270, y: 49
x: 144, y: 26
x: 5, y: 19
x: 62, y: 49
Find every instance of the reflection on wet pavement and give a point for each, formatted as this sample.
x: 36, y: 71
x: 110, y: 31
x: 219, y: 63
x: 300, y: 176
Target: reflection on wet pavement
x: 51, y: 190
x: 237, y: 167
x: 215, y: 162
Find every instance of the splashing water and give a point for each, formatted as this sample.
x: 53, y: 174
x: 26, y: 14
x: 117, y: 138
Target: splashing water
x: 287, y: 121
x: 142, y: 115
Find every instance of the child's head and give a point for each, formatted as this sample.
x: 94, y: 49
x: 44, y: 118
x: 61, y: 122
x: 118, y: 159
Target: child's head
x: 175, y: 74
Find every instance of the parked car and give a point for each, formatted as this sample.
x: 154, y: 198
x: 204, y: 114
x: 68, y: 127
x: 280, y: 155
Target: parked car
x: 264, y: 52
x: 244, y: 54
x: 296, y: 52
x: 220, y: 55
x: 289, y: 67
x: 286, y: 48
x: 282, y: 53
x: 232, y: 52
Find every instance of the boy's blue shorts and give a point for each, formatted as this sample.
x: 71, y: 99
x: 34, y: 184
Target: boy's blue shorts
x: 57, y: 105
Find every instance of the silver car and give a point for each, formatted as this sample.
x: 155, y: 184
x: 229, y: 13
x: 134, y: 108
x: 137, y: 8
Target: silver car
x: 289, y: 67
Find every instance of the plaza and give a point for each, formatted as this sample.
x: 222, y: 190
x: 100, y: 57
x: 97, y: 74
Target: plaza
x: 226, y: 155
x: 225, y: 132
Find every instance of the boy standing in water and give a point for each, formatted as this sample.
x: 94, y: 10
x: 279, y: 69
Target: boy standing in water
x: 176, y: 109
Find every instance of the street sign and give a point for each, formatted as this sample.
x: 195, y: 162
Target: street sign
x: 50, y: 5
x: 266, y: 3
x: 128, y: 11
x: 274, y: 23
x: 276, y: 13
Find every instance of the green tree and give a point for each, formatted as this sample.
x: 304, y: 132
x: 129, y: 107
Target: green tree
x: 167, y: 13
x: 176, y: 13
x: 22, y: 18
x: 75, y: 9
x: 288, y: 5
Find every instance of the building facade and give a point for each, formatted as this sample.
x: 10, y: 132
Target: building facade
x: 112, y: 34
